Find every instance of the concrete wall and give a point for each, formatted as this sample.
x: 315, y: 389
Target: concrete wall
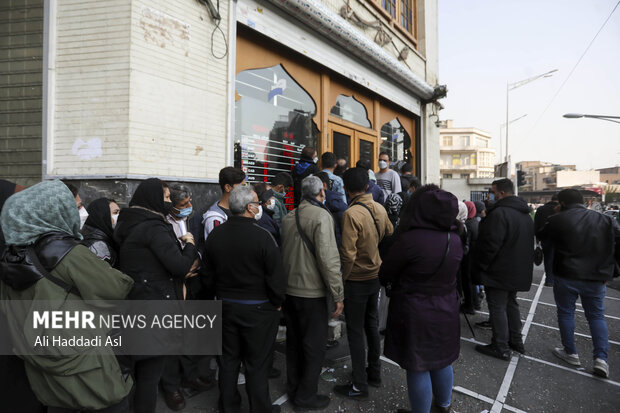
x: 138, y: 90
x: 21, y: 62
x: 461, y: 188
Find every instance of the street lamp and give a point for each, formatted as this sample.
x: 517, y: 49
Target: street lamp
x: 509, y: 87
x: 601, y: 117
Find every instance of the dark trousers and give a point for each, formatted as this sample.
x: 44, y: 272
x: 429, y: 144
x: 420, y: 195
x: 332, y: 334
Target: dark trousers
x: 121, y: 407
x: 147, y: 373
x: 547, y: 248
x: 505, y: 318
x: 306, y: 337
x: 179, y: 369
x: 467, y: 287
x: 248, y: 336
x: 362, y: 315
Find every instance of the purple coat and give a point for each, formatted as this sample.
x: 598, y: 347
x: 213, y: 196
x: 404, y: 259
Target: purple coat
x: 423, y: 326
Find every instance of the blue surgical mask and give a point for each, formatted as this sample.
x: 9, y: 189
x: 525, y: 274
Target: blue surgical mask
x: 185, y: 212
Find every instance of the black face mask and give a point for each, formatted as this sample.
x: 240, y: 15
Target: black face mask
x: 167, y: 207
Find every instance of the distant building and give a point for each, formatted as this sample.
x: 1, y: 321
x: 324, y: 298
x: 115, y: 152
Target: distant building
x: 610, y: 176
x: 541, y: 176
x: 465, y: 152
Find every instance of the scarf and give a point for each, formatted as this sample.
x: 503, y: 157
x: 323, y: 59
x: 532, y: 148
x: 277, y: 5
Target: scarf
x: 48, y: 206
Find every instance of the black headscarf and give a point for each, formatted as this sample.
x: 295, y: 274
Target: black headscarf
x: 6, y: 190
x: 150, y: 195
x: 99, y: 216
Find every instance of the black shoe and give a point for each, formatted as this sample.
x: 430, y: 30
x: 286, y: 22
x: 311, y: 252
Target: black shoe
x: 274, y: 373
x: 374, y: 381
x: 382, y: 332
x: 468, y: 309
x: 320, y: 402
x: 548, y: 284
x: 275, y: 408
x: 347, y: 390
x: 485, y: 325
x: 175, y: 400
x: 519, y: 348
x: 439, y: 409
x: 491, y: 350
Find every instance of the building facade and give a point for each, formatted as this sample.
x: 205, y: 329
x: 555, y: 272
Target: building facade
x: 106, y: 94
x: 541, y: 176
x: 610, y: 176
x: 465, y: 153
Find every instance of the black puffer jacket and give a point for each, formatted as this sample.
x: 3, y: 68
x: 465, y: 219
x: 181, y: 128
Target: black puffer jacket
x: 150, y: 253
x: 100, y: 244
x: 585, y: 243
x: 504, y: 256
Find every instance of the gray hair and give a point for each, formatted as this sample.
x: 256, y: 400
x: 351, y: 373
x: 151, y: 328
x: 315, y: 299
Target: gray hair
x: 178, y: 192
x: 311, y: 186
x: 240, y: 198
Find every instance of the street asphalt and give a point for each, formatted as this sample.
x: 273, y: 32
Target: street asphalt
x: 536, y: 382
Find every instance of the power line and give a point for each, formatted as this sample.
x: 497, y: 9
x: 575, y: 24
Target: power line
x: 572, y: 70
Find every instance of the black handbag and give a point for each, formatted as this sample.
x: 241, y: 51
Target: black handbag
x: 538, y: 255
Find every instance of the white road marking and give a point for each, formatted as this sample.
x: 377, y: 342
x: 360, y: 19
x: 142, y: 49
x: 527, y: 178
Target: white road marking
x: 502, y: 394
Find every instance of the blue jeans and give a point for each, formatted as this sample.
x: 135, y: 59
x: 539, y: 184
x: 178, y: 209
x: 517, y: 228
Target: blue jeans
x: 547, y: 248
x: 592, y: 295
x: 423, y: 385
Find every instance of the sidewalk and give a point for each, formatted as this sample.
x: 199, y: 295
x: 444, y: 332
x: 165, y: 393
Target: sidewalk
x: 536, y: 382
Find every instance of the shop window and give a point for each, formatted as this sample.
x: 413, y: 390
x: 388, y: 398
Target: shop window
x: 273, y: 123
x: 396, y: 142
x: 349, y: 109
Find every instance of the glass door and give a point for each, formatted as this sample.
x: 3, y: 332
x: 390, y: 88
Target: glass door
x: 365, y: 148
x: 341, y: 142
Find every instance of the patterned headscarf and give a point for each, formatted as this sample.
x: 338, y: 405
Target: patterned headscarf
x: 45, y: 207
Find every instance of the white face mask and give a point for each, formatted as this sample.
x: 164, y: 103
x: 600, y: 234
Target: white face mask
x: 259, y: 214
x: 383, y: 164
x: 83, y: 216
x: 272, y: 204
x: 315, y: 159
x: 114, y: 219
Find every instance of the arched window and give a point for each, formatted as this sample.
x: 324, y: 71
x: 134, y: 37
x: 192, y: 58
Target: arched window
x: 396, y: 142
x: 273, y: 122
x: 347, y: 108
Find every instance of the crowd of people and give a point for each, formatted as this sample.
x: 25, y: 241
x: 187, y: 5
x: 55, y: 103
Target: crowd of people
x: 375, y: 248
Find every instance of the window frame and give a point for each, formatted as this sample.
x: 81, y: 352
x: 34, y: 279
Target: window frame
x: 395, y: 21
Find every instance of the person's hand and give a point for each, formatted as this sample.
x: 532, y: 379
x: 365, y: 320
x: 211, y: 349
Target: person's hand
x: 339, y: 308
x: 279, y: 308
x: 188, y: 238
x: 193, y: 271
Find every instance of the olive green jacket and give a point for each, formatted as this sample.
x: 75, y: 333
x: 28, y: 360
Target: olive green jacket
x: 311, y: 276
x: 86, y: 380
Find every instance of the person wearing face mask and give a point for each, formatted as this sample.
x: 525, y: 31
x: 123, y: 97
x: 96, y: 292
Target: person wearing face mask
x: 98, y: 230
x: 182, y: 371
x: 244, y: 263
x: 150, y: 253
x: 280, y: 183
x: 78, y: 203
x: 306, y: 166
x: 387, y: 178
x: 268, y: 204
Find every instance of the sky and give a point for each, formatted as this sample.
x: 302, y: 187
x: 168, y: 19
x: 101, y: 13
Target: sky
x: 485, y: 44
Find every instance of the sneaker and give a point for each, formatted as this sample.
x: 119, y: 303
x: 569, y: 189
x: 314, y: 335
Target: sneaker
x: 485, y: 325
x: 601, y: 368
x: 319, y: 402
x: 347, y: 390
x: 573, y: 359
x: 491, y: 350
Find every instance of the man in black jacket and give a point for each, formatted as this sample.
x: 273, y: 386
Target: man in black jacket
x: 585, y: 242
x: 244, y: 262
x: 540, y: 219
x: 504, y: 264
